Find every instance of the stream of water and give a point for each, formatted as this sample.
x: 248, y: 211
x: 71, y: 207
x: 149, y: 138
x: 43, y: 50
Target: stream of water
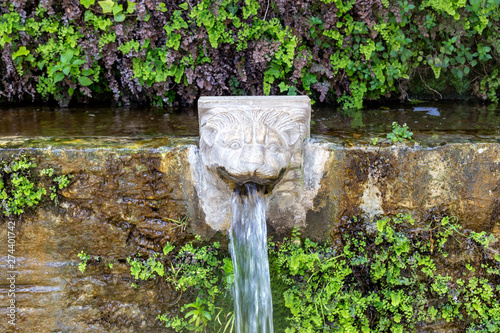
x: 248, y: 245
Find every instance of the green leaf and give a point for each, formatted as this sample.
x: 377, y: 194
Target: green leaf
x: 381, y: 223
x: 117, y: 9
x: 397, y: 329
x: 87, y: 72
x: 78, y: 62
x: 168, y: 248
x: 478, y: 308
x: 395, y: 299
x: 71, y: 91
x: 67, y: 56
x: 58, y: 77
x: 309, y: 79
x: 66, y: 70
x: 87, y: 3
x: 119, y: 17
x: 283, y: 86
x: 161, y: 7
x: 191, y: 313
x: 273, y: 71
x: 466, y: 70
x: 107, y: 6
x: 131, y: 7
x: 21, y: 52
x: 184, y: 5
x: 84, y: 81
x: 178, y: 74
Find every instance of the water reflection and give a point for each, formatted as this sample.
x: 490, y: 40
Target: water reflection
x: 432, y: 111
x: 75, y: 122
x: 435, y: 118
x: 423, y: 119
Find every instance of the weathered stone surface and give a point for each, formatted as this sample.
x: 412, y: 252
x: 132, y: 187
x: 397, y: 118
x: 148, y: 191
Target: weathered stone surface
x: 256, y: 139
x: 459, y: 179
x: 123, y: 193
x: 117, y: 204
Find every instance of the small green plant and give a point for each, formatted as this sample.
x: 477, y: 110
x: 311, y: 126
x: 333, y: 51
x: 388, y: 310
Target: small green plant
x: 84, y: 259
x: 47, y: 172
x: 483, y: 238
x: 400, y: 133
x: 111, y: 8
x: 144, y: 270
x: 374, y: 141
x: 62, y: 181
x: 181, y: 223
x: 227, y: 321
x: 198, y: 316
x: 203, y: 271
x: 21, y: 187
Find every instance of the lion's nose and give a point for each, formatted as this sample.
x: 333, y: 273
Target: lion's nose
x: 253, y: 155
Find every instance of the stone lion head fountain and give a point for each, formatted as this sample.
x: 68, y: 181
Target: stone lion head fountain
x: 252, y: 139
x: 251, y: 143
x: 260, y: 140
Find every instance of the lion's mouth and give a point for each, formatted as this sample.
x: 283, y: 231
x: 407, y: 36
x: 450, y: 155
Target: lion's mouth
x: 236, y: 182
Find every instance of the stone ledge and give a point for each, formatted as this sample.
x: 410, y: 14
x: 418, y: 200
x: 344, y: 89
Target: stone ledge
x: 124, y: 190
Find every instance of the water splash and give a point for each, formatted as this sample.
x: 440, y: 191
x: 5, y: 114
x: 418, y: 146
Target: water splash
x: 248, y: 245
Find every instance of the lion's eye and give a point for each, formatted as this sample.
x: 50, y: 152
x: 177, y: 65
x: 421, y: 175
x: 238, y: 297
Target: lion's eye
x: 234, y: 145
x: 272, y: 149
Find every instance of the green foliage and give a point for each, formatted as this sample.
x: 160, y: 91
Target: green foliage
x: 180, y: 223
x: 62, y: 181
x: 400, y: 133
x: 386, y: 282
x: 21, y: 187
x: 87, y: 3
x: 246, y: 48
x: 394, y: 279
x: 144, y: 270
x: 483, y: 238
x: 445, y: 6
x: 198, y: 316
x: 84, y: 258
x: 202, y: 272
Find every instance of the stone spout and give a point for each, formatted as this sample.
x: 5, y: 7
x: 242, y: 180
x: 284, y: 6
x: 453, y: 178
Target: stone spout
x: 253, y: 139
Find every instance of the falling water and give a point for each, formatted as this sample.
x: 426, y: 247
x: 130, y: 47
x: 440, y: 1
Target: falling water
x: 248, y: 236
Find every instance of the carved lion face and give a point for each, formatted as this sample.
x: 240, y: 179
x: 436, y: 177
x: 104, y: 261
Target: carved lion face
x: 251, y: 145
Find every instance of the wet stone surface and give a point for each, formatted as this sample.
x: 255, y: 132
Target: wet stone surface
x: 117, y: 205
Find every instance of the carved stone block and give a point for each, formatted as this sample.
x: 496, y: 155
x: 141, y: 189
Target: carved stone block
x: 253, y: 139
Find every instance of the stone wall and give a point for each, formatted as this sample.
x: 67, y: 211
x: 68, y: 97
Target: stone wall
x: 123, y: 193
